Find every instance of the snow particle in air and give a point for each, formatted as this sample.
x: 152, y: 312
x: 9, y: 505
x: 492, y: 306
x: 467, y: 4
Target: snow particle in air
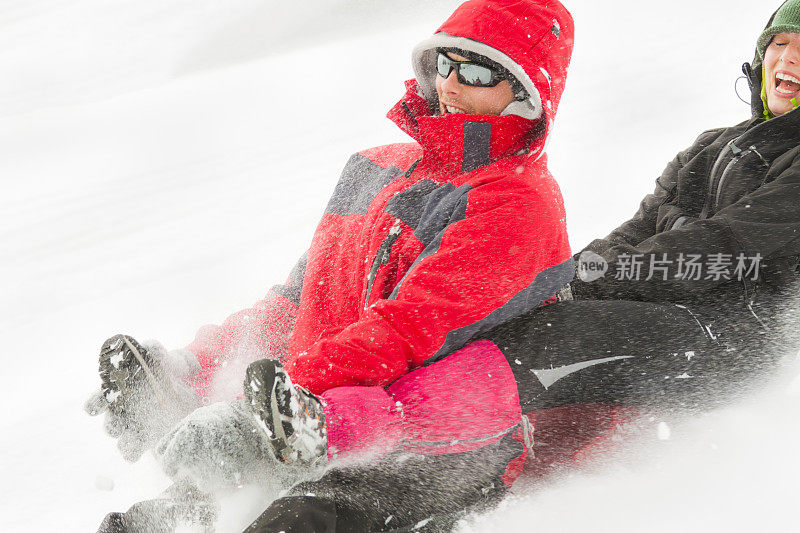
x: 421, y: 524
x: 112, y: 396
x: 664, y: 432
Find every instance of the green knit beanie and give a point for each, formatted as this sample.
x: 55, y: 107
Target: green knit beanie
x: 787, y: 20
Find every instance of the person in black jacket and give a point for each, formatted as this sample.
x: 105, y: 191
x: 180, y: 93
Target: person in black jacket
x: 691, y: 302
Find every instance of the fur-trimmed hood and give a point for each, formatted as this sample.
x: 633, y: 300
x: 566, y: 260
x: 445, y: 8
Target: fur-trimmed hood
x: 532, y: 39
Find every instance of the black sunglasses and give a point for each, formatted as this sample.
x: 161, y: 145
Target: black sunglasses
x: 468, y: 72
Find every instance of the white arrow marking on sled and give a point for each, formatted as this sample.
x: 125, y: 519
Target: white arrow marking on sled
x: 548, y: 376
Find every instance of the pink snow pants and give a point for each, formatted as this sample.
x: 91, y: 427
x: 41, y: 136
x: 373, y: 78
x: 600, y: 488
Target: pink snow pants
x: 461, y: 403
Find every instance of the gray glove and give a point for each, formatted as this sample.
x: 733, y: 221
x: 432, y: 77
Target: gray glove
x: 181, y: 507
x: 141, y: 392
x: 216, y: 446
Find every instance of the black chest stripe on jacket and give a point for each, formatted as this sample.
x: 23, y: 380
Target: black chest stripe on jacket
x: 477, y: 145
x: 360, y: 183
x: 408, y: 205
x: 444, y: 206
x: 429, y: 208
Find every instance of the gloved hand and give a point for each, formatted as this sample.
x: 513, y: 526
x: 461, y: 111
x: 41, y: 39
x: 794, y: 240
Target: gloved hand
x: 216, y: 446
x: 142, y: 392
x: 182, y: 506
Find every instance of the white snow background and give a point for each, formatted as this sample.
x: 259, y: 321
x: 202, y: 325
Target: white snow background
x: 164, y: 162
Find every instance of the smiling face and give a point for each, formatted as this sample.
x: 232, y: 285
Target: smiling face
x: 782, y: 72
x: 457, y: 98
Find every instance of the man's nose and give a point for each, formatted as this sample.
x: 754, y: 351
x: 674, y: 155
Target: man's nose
x: 451, y: 83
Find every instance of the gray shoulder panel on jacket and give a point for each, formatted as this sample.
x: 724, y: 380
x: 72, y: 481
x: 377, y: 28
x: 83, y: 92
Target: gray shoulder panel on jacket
x: 292, y: 290
x: 360, y: 183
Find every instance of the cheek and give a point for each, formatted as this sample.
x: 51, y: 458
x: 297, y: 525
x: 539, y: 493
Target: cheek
x: 769, y: 68
x: 495, y: 100
x: 489, y: 104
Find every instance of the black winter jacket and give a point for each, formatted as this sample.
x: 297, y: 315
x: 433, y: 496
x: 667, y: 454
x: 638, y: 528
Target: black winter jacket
x: 735, y: 192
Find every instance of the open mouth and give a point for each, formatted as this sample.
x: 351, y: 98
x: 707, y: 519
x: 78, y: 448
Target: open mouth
x: 449, y: 109
x: 786, y: 84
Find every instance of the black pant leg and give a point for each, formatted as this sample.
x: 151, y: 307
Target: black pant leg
x: 297, y: 514
x: 626, y: 353
x: 396, y: 493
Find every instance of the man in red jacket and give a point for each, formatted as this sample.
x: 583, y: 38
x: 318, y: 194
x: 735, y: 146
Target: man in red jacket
x: 421, y: 242
x: 422, y: 247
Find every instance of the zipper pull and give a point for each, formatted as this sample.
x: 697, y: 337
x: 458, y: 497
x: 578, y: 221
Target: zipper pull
x: 382, y: 257
x: 761, y: 157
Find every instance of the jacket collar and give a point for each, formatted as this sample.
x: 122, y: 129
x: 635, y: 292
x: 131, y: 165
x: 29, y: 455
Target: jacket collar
x: 456, y: 144
x: 780, y: 132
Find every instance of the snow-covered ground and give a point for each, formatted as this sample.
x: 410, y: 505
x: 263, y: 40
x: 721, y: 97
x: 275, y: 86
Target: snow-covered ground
x: 164, y: 162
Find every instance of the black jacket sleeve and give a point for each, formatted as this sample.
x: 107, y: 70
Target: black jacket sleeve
x: 643, y: 224
x: 760, y: 226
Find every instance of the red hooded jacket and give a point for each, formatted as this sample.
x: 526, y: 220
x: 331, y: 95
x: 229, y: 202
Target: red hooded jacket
x: 427, y: 244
